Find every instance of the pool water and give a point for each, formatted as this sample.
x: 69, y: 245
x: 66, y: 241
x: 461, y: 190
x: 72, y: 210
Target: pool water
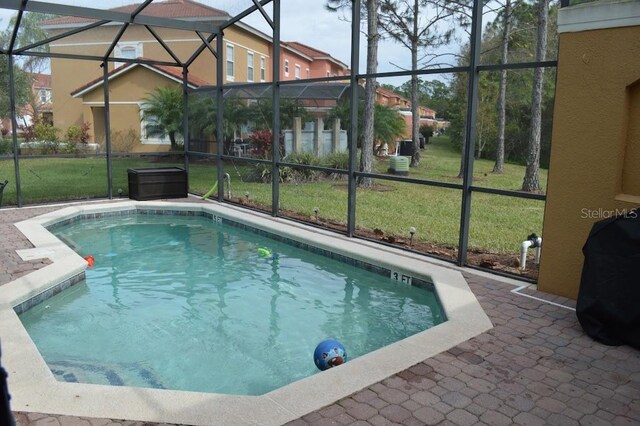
x: 185, y: 303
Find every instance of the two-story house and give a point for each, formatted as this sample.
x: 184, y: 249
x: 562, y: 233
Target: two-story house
x: 77, y: 85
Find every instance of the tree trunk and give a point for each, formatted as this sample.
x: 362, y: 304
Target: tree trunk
x: 498, y: 167
x: 415, y: 95
x: 464, y: 149
x: 172, y: 138
x: 531, y: 179
x: 366, y: 148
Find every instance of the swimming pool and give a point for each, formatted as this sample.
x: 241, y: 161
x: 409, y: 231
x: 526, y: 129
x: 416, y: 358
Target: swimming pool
x: 35, y: 389
x: 183, y: 302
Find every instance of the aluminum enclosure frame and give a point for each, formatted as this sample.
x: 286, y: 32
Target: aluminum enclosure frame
x: 216, y: 32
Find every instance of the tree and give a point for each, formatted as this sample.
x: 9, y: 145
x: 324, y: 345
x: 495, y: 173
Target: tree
x: 21, y: 87
x: 434, y: 94
x: 531, y: 180
x: 162, y: 111
x: 372, y: 8
x: 261, y: 112
x: 502, y: 101
x: 415, y: 25
x: 389, y: 124
x: 203, y: 116
x: 30, y: 32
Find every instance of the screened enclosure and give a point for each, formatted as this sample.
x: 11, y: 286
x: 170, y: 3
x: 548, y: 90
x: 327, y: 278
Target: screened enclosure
x: 299, y: 109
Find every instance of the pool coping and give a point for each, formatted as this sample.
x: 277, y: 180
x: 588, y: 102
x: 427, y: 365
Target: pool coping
x: 34, y: 388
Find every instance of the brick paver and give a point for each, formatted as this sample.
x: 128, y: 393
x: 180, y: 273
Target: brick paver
x: 535, y: 367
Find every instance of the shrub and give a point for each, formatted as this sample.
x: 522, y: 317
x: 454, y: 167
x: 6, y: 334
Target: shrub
x: 306, y: 158
x: 70, y: 148
x: 45, y: 132
x: 426, y: 131
x: 122, y: 141
x: 337, y: 160
x: 79, y: 134
x: 262, y: 172
x: 262, y: 141
x: 28, y: 133
x: 6, y: 146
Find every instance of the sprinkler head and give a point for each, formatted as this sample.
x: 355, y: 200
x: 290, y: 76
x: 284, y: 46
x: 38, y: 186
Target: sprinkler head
x: 246, y: 194
x: 315, y: 212
x: 119, y: 192
x: 412, y: 231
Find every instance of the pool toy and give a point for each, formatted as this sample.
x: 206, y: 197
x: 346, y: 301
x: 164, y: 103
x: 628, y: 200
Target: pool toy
x: 263, y: 252
x: 329, y: 353
x: 90, y: 261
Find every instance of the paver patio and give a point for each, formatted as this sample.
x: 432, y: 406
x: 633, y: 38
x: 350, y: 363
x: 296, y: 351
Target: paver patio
x: 535, y: 367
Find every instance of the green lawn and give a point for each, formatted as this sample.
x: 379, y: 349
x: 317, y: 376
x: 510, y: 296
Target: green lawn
x: 498, y: 224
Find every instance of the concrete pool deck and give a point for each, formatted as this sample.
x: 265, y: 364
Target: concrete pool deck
x: 534, y: 367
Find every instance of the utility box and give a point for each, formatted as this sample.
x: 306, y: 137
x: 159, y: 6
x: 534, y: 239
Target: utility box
x: 399, y: 166
x: 406, y: 147
x: 157, y: 183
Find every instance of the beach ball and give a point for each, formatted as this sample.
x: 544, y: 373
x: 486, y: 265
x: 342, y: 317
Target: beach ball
x: 329, y: 353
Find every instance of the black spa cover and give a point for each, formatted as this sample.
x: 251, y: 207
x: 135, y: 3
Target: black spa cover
x: 608, y: 305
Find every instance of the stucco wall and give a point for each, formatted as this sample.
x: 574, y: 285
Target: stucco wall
x: 595, y: 143
x: 68, y: 75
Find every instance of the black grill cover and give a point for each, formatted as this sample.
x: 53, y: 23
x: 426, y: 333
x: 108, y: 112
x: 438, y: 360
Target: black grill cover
x: 608, y: 305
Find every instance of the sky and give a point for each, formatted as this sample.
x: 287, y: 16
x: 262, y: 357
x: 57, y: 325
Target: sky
x: 305, y: 21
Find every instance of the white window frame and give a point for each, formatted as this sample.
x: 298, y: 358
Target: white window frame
x: 297, y: 72
x: 286, y: 68
x: 127, y: 46
x: 263, y: 68
x: 250, y: 66
x: 230, y: 61
x: 44, y: 95
x: 145, y: 140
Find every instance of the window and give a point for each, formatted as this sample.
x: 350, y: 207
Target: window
x: 127, y: 51
x: 263, y: 68
x: 286, y: 68
x: 297, y: 72
x: 249, y: 66
x: 152, y: 131
x: 45, y: 95
x: 230, y: 70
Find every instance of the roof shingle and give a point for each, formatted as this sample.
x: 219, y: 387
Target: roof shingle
x: 177, y: 9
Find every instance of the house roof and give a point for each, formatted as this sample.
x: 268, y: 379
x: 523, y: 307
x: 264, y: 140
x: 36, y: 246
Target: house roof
x: 389, y: 93
x: 40, y: 81
x: 307, y: 50
x: 312, y: 52
x: 315, y: 91
x: 171, y: 73
x: 177, y: 9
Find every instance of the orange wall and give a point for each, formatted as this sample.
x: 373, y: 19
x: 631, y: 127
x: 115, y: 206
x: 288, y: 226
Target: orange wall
x: 294, y: 59
x: 595, y: 151
x: 320, y: 67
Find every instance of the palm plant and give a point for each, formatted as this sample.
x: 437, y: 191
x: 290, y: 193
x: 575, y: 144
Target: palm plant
x: 162, y: 112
